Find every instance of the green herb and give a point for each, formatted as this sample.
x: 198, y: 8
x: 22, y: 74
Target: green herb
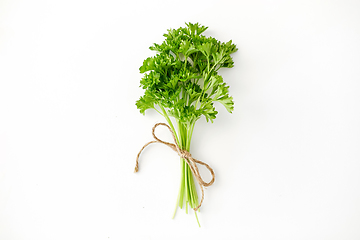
x: 182, y: 81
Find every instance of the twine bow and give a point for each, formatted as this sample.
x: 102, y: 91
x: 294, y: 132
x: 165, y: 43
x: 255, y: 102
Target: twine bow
x: 186, y: 156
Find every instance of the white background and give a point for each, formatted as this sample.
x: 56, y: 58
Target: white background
x: 287, y: 161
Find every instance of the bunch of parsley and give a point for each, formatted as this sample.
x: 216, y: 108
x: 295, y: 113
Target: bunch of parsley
x: 182, y: 81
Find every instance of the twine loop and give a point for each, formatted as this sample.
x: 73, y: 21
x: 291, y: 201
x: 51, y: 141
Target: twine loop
x: 184, y: 155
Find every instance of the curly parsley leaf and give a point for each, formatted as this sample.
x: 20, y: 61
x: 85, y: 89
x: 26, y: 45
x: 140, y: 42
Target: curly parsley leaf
x: 182, y: 78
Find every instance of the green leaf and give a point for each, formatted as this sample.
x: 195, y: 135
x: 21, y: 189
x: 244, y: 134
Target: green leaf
x: 206, y: 48
x: 208, y: 110
x: 195, y: 29
x: 219, y: 57
x: 215, y: 80
x: 145, y: 102
x: 227, y: 102
x: 148, y: 65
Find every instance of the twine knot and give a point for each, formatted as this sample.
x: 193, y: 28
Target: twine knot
x: 184, y: 155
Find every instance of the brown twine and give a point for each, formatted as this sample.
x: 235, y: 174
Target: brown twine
x: 185, y: 155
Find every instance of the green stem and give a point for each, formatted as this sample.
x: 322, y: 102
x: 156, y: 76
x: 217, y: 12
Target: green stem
x: 187, y: 193
x: 187, y: 185
x: 169, y: 122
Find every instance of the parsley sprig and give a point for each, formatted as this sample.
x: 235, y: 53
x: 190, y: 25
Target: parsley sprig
x: 182, y: 81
